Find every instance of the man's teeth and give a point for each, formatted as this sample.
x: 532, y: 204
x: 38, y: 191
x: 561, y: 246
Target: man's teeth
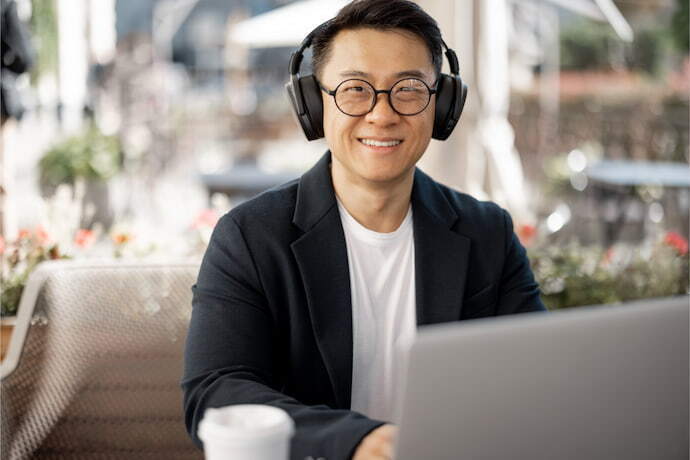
x: 379, y: 143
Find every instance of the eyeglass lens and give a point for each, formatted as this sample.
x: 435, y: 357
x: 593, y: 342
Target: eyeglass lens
x: 358, y: 97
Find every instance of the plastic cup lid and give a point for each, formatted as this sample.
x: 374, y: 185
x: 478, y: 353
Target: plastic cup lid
x: 245, y: 424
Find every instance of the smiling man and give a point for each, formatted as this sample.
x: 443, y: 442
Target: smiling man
x: 306, y: 291
x: 376, y: 140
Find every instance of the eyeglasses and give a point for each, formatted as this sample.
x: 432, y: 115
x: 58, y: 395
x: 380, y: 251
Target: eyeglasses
x: 355, y: 97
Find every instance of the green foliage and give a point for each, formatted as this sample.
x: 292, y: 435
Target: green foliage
x: 648, y: 50
x: 19, y: 259
x: 584, y: 45
x: 44, y: 33
x: 680, y: 26
x: 11, y: 294
x: 575, y: 275
x: 91, y: 155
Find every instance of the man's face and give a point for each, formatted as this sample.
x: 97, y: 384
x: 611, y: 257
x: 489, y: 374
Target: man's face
x: 381, y: 58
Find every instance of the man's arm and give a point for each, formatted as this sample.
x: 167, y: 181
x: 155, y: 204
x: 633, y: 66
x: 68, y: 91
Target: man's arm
x: 229, y: 355
x: 518, y: 290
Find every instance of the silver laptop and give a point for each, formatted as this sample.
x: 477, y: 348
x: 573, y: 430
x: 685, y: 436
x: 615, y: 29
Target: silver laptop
x: 605, y: 382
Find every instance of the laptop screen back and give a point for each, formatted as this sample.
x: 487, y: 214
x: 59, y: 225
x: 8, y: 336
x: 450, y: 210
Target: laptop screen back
x: 595, y: 383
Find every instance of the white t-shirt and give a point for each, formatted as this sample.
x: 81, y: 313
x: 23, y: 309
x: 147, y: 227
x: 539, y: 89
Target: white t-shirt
x: 382, y: 284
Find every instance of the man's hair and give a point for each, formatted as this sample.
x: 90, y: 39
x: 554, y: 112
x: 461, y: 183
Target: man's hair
x: 382, y: 15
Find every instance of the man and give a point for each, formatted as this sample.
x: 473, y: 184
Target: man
x: 305, y: 291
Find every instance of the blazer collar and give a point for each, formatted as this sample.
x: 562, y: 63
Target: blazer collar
x: 426, y: 194
x: 441, y: 254
x: 440, y: 266
x: 315, y: 196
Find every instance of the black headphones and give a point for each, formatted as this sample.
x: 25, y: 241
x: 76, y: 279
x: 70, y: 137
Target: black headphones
x: 307, y: 103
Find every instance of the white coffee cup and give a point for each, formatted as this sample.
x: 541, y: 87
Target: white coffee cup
x: 246, y: 432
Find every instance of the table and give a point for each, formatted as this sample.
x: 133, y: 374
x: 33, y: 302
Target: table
x: 243, y: 181
x: 615, y: 182
x: 632, y: 173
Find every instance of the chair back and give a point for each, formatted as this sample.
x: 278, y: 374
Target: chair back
x: 94, y: 362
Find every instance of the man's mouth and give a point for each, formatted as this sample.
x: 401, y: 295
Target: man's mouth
x: 378, y: 143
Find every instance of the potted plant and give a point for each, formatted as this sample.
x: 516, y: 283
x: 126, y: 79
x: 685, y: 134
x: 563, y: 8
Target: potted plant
x: 575, y: 275
x: 86, y: 162
x: 19, y: 258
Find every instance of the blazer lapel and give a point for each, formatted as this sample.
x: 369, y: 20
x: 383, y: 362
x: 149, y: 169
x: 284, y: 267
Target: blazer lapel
x: 441, y: 255
x: 321, y: 256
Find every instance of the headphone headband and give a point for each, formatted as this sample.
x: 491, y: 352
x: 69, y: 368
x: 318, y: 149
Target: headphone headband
x: 297, y: 56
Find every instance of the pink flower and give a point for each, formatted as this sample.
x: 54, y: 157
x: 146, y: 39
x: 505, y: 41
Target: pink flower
x: 676, y: 241
x: 526, y: 233
x: 84, y: 238
x: 2, y: 245
x: 206, y: 218
x: 24, y: 233
x: 42, y: 235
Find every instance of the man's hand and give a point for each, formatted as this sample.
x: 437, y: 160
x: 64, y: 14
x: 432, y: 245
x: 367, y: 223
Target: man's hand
x: 377, y: 445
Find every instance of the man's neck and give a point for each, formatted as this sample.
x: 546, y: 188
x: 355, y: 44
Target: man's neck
x: 380, y: 208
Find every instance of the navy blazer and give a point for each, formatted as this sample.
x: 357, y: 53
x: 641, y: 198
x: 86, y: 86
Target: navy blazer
x: 272, y: 319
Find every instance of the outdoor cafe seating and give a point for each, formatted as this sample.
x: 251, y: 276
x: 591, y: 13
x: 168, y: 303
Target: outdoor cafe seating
x: 94, y: 363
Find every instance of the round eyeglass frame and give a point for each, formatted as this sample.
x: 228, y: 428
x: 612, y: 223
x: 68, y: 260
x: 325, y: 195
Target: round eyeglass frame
x: 375, y: 99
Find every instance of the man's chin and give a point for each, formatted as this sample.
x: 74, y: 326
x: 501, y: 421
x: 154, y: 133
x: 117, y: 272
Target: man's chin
x: 385, y: 177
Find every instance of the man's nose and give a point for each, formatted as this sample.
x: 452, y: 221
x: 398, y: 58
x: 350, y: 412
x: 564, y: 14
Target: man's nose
x: 382, y: 111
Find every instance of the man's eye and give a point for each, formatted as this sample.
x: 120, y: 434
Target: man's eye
x: 355, y: 89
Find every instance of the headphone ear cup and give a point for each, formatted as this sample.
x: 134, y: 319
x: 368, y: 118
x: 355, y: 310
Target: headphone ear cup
x: 307, y: 90
x: 451, y: 93
x: 313, y: 104
x: 463, y: 97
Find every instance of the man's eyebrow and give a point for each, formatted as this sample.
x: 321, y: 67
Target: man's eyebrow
x: 354, y: 73
x: 405, y: 73
x: 411, y: 73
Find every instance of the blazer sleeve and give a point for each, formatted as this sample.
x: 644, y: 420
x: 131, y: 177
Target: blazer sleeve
x: 518, y: 292
x: 229, y: 353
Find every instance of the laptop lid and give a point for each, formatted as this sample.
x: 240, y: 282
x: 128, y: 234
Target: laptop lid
x: 593, y: 382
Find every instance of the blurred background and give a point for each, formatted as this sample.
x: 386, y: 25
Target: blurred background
x: 130, y: 126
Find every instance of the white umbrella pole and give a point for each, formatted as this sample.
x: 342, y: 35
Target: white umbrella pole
x: 505, y: 179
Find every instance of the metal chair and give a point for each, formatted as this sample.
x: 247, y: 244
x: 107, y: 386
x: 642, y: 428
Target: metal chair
x: 94, y: 363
